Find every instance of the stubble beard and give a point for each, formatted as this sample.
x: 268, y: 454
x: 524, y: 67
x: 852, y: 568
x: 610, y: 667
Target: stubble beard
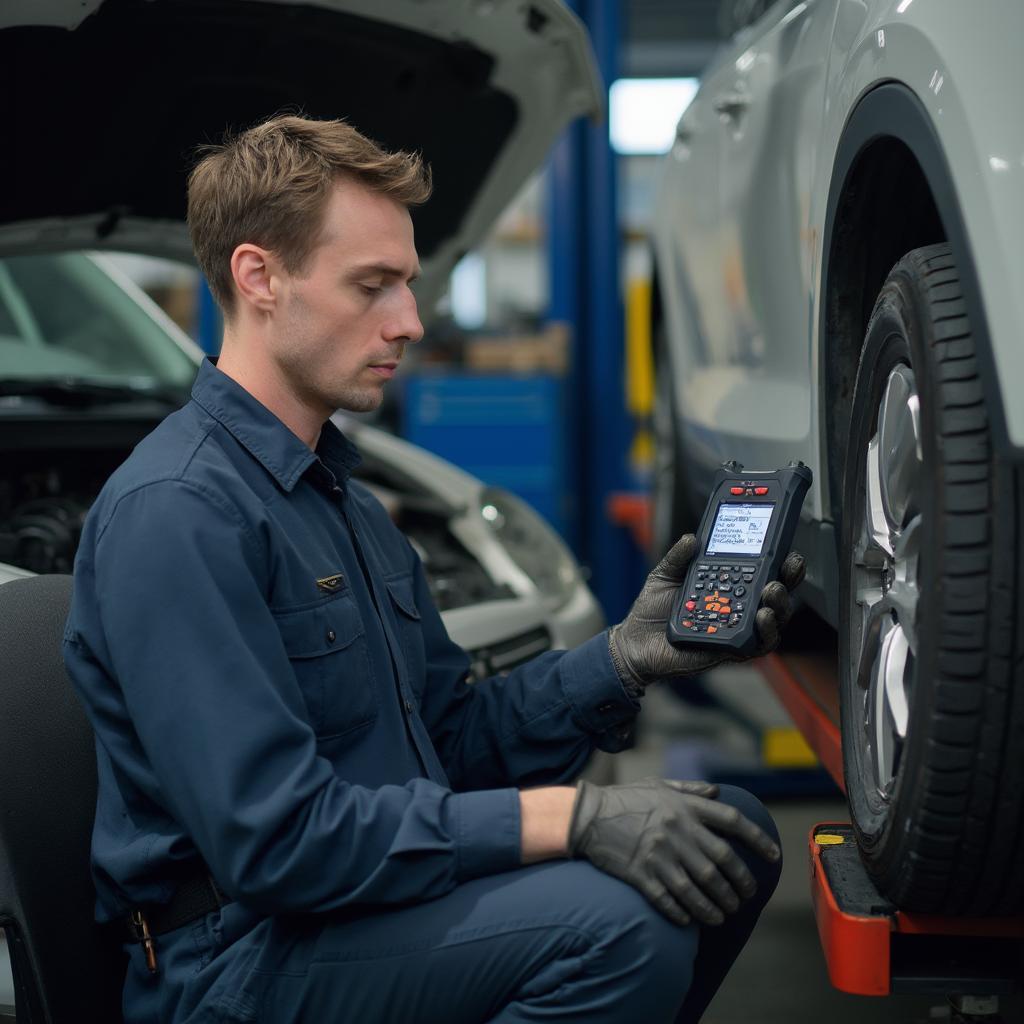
x: 310, y: 385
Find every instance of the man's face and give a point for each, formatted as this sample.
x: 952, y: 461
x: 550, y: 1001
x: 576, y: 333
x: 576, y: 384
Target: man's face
x: 341, y: 328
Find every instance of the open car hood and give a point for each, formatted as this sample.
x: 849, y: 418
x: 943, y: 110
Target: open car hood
x: 105, y: 102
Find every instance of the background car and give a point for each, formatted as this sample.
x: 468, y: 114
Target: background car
x: 839, y: 245
x: 80, y: 386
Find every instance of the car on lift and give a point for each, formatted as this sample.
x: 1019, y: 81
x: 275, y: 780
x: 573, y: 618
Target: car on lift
x: 102, y: 116
x: 839, y: 244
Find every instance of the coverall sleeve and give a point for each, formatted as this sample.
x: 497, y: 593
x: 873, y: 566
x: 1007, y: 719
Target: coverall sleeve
x: 535, y: 726
x: 180, y: 582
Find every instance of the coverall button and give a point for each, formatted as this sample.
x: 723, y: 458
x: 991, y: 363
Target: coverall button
x: 331, y: 636
x: 408, y: 707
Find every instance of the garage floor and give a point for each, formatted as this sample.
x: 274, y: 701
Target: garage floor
x: 780, y: 978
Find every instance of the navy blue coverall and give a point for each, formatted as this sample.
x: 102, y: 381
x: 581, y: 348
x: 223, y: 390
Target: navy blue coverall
x: 274, y: 695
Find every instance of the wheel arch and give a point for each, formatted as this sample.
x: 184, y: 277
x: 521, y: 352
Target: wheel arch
x: 891, y: 191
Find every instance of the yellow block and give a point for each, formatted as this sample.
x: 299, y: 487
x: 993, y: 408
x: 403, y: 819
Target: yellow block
x: 639, y: 352
x: 785, y: 747
x: 828, y: 839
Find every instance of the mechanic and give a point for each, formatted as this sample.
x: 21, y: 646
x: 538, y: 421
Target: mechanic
x: 306, y: 812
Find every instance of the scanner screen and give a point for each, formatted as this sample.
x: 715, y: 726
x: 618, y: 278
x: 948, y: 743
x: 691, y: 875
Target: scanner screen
x: 740, y: 529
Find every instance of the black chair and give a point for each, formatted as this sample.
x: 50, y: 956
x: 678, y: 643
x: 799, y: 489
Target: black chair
x: 66, y: 968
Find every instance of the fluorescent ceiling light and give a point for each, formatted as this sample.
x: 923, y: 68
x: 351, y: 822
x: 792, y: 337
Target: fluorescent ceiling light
x: 644, y: 112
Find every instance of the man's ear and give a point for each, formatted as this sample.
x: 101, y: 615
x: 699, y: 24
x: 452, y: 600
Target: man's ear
x: 256, y: 277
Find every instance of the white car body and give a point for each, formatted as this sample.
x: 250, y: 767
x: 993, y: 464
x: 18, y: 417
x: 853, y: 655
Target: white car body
x: 743, y: 232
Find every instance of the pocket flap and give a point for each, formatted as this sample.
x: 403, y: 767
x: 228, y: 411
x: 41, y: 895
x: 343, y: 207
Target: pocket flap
x: 325, y: 629
x: 401, y: 590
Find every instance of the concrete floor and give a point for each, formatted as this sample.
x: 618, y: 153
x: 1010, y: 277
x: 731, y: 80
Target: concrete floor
x: 780, y: 977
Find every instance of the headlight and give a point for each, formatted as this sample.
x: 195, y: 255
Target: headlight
x: 530, y: 542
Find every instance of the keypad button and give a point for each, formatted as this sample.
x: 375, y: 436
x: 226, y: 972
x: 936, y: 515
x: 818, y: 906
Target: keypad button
x: 738, y: 606
x: 714, y: 568
x: 690, y: 605
x: 748, y: 568
x: 701, y: 616
x: 724, y: 588
x: 746, y: 579
x: 735, y: 490
x: 703, y: 568
x: 702, y: 575
x: 712, y: 629
x: 713, y: 617
x: 740, y: 591
x: 736, y: 577
x: 724, y: 577
x: 687, y: 623
x: 760, y: 490
x: 698, y: 586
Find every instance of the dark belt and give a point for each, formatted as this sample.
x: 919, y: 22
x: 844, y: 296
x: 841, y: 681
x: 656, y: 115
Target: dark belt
x: 193, y: 898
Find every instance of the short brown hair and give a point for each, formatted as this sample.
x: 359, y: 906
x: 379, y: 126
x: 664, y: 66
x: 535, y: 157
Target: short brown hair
x: 269, y: 186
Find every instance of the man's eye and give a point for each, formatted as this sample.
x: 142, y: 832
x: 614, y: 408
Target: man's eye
x: 371, y: 289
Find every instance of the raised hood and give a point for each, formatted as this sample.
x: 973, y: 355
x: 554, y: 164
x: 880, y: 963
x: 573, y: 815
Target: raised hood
x: 105, y: 102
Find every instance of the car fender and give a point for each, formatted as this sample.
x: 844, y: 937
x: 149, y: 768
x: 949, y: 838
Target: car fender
x: 904, y: 70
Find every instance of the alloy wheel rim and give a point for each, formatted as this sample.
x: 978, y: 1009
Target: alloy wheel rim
x: 885, y: 592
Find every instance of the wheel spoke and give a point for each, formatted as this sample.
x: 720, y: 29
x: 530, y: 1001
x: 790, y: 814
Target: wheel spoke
x: 904, y: 593
x: 876, y: 523
x: 899, y: 448
x: 888, y: 706
x: 874, y: 616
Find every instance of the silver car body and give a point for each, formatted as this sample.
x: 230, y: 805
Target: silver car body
x: 740, y: 226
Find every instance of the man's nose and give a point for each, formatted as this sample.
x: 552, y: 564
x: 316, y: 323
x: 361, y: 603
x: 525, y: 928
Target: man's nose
x: 405, y: 325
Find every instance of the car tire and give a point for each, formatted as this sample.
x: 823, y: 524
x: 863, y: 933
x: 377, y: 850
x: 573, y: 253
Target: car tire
x: 932, y: 694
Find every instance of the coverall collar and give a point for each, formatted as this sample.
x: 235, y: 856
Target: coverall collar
x: 264, y: 436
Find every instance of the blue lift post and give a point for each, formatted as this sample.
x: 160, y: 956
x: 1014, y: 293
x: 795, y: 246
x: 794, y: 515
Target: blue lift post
x: 583, y: 255
x: 208, y: 321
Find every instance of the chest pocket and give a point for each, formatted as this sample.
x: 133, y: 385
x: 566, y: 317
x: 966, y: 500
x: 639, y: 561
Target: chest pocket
x: 327, y: 648
x: 409, y: 630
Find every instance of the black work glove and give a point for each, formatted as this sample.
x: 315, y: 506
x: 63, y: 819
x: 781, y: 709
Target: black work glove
x: 639, y: 648
x: 665, y: 839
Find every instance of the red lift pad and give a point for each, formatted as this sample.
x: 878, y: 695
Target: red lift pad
x: 873, y: 949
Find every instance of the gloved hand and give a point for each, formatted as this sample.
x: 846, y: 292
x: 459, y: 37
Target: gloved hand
x: 665, y: 839
x: 639, y: 648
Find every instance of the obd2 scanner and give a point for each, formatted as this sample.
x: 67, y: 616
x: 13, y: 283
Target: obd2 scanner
x: 744, y: 537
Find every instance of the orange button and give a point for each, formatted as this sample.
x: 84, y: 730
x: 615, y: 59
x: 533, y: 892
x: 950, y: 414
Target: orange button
x: 735, y: 490
x: 687, y: 623
x: 712, y: 629
x: 760, y: 490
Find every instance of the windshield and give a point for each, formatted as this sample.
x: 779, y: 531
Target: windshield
x: 63, y: 316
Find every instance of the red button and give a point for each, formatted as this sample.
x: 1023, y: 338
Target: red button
x: 687, y: 623
x: 760, y: 490
x: 690, y: 605
x: 735, y: 490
